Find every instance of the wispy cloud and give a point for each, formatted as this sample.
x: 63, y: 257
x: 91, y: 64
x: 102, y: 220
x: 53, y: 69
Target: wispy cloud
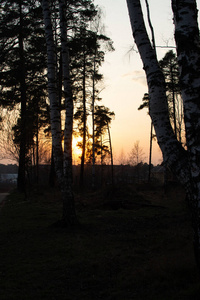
x: 137, y: 76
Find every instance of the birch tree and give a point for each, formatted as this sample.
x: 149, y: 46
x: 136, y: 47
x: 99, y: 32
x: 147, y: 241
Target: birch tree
x: 63, y: 163
x: 184, y: 163
x: 68, y: 197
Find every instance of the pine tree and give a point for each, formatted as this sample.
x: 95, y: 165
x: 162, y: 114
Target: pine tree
x: 22, y: 71
x: 169, y: 66
x: 90, y: 46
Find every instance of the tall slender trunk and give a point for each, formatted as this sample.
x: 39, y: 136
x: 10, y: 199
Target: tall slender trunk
x: 154, y: 47
x: 37, y: 144
x: 188, y: 54
x: 173, y: 153
x: 60, y: 79
x: 173, y: 102
x: 111, y: 155
x: 185, y: 164
x: 150, y: 152
x: 21, y: 182
x: 52, y: 173
x: 84, y: 125
x: 55, y: 117
x: 63, y: 164
x: 69, y: 213
x: 93, y: 125
x: 101, y: 160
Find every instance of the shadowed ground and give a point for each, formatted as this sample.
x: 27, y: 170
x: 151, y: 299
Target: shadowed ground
x: 133, y: 243
x: 3, y: 196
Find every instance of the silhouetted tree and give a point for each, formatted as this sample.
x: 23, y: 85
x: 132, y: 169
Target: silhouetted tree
x: 145, y: 104
x: 184, y: 163
x: 22, y: 70
x: 169, y: 66
x: 63, y: 161
x: 88, y: 55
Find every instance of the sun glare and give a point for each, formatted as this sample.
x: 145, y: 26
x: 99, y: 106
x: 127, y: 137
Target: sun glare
x: 76, y: 151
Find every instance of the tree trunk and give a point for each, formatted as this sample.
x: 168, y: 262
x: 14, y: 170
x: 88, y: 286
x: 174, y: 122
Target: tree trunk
x: 173, y: 153
x: 84, y: 127
x: 37, y: 145
x: 111, y: 155
x: 173, y: 102
x: 184, y: 164
x: 53, y: 94
x: 93, y: 133
x: 63, y: 165
x: 188, y: 54
x: 69, y: 214
x: 52, y: 173
x: 21, y: 182
x: 150, y: 152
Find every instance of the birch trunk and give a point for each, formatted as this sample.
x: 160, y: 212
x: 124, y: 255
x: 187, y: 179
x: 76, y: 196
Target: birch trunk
x: 84, y: 124
x: 188, y: 54
x: 63, y: 163
x: 93, y: 125
x: 185, y: 164
x: 173, y: 153
x: 69, y: 215
x: 55, y: 118
x: 21, y: 181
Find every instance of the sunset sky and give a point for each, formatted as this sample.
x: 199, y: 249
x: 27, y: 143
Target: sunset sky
x: 124, y: 78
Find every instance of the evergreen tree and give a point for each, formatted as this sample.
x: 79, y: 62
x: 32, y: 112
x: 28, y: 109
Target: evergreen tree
x: 89, y: 46
x: 145, y: 104
x: 169, y: 66
x: 22, y: 71
x: 102, y: 119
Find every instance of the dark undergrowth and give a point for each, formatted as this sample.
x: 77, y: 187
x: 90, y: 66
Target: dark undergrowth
x: 132, y: 243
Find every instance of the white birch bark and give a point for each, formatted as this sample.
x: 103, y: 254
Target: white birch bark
x: 185, y: 164
x: 68, y: 197
x: 52, y: 91
x: 173, y: 153
x: 63, y: 163
x: 188, y: 54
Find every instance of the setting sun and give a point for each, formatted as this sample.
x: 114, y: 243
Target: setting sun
x: 76, y: 150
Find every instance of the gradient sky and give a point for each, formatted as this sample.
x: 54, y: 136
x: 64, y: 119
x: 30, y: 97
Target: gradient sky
x: 124, y: 78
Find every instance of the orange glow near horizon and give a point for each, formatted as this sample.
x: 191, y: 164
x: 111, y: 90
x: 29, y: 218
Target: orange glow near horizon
x: 76, y: 151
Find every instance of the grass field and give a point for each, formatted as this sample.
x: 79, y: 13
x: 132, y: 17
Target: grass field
x: 133, y: 243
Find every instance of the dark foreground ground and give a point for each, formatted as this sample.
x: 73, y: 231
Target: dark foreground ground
x: 133, y: 243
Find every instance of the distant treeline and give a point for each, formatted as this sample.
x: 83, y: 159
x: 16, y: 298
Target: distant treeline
x: 8, y: 169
